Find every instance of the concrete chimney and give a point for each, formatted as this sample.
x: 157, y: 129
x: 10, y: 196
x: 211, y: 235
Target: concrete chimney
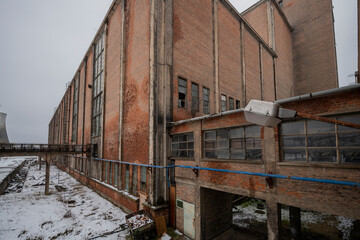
x: 3, y: 134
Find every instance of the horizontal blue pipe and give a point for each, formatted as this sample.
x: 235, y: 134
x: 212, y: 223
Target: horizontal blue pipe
x: 243, y: 172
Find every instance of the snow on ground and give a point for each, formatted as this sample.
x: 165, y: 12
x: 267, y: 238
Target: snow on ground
x: 72, y: 211
x: 8, y: 164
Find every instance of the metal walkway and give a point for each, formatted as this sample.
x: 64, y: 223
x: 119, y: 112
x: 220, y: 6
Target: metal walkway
x: 23, y: 149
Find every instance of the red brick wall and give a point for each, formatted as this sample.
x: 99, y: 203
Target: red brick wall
x: 313, y: 44
x: 330, y: 198
x: 192, y: 51
x: 112, y: 89
x: 252, y: 67
x: 229, y: 54
x: 136, y: 91
x: 258, y: 19
x: 268, y: 76
x: 284, y: 62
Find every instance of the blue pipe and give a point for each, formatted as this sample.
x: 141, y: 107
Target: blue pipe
x: 345, y: 183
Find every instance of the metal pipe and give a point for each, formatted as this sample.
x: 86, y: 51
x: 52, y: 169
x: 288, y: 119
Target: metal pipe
x: 318, y: 94
x: 206, y: 117
x: 345, y: 183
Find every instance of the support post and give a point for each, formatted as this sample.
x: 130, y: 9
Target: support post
x: 39, y: 162
x: 295, y: 223
x: 273, y: 210
x: 47, y: 175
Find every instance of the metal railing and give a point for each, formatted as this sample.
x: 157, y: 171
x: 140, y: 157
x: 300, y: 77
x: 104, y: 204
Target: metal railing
x: 43, y: 148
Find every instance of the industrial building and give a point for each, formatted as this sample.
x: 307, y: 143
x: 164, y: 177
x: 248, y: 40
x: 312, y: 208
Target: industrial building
x: 155, y: 68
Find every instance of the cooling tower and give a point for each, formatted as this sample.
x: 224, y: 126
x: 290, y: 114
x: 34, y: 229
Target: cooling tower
x: 3, y: 134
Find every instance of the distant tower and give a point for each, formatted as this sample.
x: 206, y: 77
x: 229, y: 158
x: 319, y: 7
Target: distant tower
x: 3, y: 134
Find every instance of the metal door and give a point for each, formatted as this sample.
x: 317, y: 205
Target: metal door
x: 189, y: 220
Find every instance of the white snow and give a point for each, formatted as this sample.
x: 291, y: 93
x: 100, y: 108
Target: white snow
x: 345, y: 226
x: 72, y: 211
x: 8, y: 164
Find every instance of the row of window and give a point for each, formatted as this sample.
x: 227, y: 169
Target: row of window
x: 314, y: 141
x: 301, y: 141
x: 226, y: 143
x: 195, y: 99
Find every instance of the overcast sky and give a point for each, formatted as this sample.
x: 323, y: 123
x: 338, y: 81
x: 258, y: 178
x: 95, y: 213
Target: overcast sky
x: 42, y: 43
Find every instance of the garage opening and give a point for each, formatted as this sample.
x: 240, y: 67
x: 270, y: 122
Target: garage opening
x: 312, y: 225
x: 228, y: 216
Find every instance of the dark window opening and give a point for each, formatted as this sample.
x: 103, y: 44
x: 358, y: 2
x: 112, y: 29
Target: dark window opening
x: 237, y: 104
x: 231, y: 103
x: 143, y: 179
x: 206, y: 100
x: 223, y: 103
x: 194, y: 97
x: 182, y: 93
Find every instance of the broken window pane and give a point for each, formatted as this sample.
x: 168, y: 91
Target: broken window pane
x: 236, y: 132
x: 143, y: 178
x: 182, y: 93
x: 350, y: 156
x: 322, y: 155
x: 349, y: 139
x: 253, y: 154
x: 182, y: 144
x: 351, y: 119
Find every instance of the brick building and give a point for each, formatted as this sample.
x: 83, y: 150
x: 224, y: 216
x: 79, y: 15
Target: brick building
x: 153, y: 63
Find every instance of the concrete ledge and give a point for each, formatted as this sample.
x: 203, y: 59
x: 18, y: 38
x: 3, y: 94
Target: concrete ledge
x: 5, y: 182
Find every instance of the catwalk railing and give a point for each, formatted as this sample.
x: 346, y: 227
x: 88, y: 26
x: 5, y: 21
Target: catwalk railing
x: 108, y: 171
x: 43, y: 148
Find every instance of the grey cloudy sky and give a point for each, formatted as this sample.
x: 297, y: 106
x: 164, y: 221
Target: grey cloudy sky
x: 43, y: 41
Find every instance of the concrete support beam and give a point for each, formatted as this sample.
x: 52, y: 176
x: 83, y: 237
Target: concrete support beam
x: 39, y: 158
x: 273, y: 212
x: 295, y: 223
x: 47, y: 175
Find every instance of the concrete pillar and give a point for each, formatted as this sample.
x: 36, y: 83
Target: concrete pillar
x: 295, y: 223
x: 47, y: 176
x: 273, y: 211
x: 39, y: 162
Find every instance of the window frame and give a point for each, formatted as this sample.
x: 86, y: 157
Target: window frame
x: 206, y: 103
x: 187, y: 149
x: 231, y: 105
x: 184, y: 101
x: 75, y: 109
x: 98, y: 85
x: 229, y: 149
x: 337, y: 147
x: 222, y: 101
x: 195, y: 106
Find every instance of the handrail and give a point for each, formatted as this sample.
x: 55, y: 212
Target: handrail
x: 329, y: 181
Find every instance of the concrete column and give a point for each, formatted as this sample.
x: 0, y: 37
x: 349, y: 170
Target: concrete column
x: 39, y: 162
x: 273, y: 212
x: 295, y: 223
x: 47, y: 176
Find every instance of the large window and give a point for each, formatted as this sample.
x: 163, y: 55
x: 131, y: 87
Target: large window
x: 182, y: 93
x: 182, y: 145
x: 98, y: 81
x: 194, y: 97
x: 75, y: 109
x: 231, y: 104
x: 315, y: 141
x: 233, y: 143
x: 223, y: 103
x: 206, y: 100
